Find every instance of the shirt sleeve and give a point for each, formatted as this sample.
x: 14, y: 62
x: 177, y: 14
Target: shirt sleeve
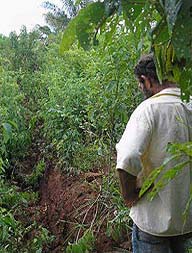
x: 134, y: 142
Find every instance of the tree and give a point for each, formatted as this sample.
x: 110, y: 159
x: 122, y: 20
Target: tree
x: 4, y: 52
x: 58, y: 18
x: 163, y: 21
x: 25, y: 50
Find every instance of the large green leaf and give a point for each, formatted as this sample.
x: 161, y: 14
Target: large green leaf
x: 160, y: 38
x: 182, y: 33
x: 160, y: 33
x: 172, y: 8
x: 83, y: 26
x: 182, y: 42
x: 172, y: 44
x: 111, y: 29
x: 132, y: 9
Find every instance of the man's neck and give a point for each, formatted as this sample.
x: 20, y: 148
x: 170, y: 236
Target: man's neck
x: 165, y: 85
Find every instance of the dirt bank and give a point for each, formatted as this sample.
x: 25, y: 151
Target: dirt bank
x: 69, y: 204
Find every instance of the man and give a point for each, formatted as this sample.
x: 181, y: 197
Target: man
x: 158, y: 224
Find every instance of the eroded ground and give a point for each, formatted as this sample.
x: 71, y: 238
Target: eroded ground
x: 69, y: 204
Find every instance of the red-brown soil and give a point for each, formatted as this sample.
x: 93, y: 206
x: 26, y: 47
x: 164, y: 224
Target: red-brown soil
x: 69, y: 204
x: 69, y: 200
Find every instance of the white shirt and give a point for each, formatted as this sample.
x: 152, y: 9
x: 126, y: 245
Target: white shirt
x: 157, y: 121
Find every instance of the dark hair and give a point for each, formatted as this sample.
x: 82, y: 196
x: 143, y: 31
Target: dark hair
x: 146, y: 67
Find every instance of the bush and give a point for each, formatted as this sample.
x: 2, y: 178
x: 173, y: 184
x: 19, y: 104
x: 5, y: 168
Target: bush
x: 90, y: 97
x: 14, y: 137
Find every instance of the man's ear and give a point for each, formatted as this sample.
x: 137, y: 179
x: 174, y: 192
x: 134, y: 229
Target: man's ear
x: 147, y: 81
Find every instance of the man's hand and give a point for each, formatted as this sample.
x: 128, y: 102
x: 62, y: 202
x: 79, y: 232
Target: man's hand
x: 129, y: 190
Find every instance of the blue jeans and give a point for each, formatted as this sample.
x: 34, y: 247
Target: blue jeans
x: 145, y: 243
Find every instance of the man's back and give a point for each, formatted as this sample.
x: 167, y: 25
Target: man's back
x: 159, y: 120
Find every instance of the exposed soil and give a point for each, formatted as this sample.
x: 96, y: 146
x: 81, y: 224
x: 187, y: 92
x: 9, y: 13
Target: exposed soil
x: 69, y: 204
x: 69, y: 200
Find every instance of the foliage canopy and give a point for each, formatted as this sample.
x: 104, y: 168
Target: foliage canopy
x: 163, y: 21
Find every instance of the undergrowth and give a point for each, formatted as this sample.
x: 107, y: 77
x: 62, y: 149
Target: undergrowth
x: 108, y: 212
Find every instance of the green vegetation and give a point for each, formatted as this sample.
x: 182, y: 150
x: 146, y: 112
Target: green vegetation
x: 75, y: 98
x: 84, y: 245
x: 162, y: 21
x: 79, y: 102
x: 82, y: 112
